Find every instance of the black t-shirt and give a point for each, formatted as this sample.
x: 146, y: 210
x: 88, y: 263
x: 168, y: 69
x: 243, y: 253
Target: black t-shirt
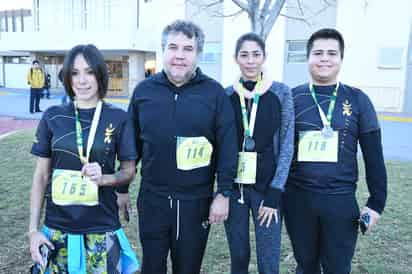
x: 353, y: 115
x: 56, y: 139
x: 268, y: 120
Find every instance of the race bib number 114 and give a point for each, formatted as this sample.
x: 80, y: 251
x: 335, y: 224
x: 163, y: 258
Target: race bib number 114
x: 193, y: 152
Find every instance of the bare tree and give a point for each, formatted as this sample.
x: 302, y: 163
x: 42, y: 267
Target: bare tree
x: 264, y: 13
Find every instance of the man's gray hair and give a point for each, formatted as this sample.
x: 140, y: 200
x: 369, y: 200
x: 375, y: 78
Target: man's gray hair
x: 188, y: 28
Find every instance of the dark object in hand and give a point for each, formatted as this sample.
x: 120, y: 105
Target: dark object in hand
x: 126, y: 214
x: 45, y: 255
x: 364, y: 222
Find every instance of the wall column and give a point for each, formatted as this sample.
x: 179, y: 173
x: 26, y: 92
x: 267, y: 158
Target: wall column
x: 136, y: 70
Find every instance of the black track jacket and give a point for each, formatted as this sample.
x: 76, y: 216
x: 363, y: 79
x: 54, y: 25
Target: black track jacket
x: 162, y: 112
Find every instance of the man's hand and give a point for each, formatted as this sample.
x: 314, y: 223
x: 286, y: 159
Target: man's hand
x: 123, y: 202
x: 266, y: 214
x: 219, y: 210
x: 374, y: 216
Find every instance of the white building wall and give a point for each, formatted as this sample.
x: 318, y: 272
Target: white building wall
x: 154, y: 16
x: 1, y: 72
x: 136, y: 70
x: 234, y: 27
x: 111, y: 25
x: 367, y: 28
x: 16, y: 76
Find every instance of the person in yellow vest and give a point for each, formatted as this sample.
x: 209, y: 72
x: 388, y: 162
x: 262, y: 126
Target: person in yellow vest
x: 35, y: 78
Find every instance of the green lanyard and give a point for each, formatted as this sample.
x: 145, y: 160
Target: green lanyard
x: 249, y: 127
x: 326, y: 120
x: 92, y: 133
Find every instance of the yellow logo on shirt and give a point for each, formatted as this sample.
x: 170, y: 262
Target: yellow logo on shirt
x: 347, y: 108
x: 108, y: 134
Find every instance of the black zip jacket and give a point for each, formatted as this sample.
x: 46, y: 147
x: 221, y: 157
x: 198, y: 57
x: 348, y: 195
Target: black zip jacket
x: 161, y: 113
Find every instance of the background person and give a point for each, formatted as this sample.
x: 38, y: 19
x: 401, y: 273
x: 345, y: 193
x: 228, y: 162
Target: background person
x: 47, y: 85
x: 36, y: 80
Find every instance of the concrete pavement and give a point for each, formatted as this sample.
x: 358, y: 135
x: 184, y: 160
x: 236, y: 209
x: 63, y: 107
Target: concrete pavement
x: 396, y: 127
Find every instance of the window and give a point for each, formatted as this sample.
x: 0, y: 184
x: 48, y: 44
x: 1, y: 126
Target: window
x: 296, y: 52
x: 390, y: 58
x: 17, y: 60
x: 3, y: 23
x: 211, y: 53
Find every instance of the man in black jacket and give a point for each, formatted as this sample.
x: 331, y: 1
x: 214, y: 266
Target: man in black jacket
x: 185, y: 134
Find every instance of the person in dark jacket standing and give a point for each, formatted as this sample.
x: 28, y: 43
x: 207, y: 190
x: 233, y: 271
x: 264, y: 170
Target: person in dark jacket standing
x: 265, y: 126
x: 185, y: 134
x: 321, y: 212
x: 47, y: 83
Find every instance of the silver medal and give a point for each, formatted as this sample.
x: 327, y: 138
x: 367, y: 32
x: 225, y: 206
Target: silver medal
x: 327, y: 132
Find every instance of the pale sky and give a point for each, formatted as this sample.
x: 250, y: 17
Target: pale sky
x: 15, y: 4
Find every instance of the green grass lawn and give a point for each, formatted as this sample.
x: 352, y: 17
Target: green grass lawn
x: 387, y: 249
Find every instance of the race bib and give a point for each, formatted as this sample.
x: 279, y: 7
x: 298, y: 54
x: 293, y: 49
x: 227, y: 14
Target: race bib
x: 70, y: 188
x: 315, y: 147
x: 193, y: 152
x: 246, y: 169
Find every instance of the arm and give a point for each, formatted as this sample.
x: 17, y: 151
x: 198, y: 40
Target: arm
x: 226, y: 144
x: 40, y: 181
x: 134, y: 116
x: 227, y: 151
x: 376, y: 178
x: 123, y: 176
x: 285, y: 143
x: 42, y: 78
x: 29, y: 77
x: 371, y: 145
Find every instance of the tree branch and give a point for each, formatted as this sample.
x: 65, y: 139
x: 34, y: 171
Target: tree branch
x: 265, y: 9
x: 272, y: 16
x: 219, y: 14
x: 241, y: 5
x: 213, y: 4
x: 299, y: 2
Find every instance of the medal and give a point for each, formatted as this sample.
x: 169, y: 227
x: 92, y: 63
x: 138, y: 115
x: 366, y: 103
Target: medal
x: 327, y: 132
x: 249, y: 125
x: 249, y: 144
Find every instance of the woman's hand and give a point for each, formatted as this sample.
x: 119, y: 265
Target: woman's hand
x: 94, y: 172
x: 266, y: 214
x: 36, y: 240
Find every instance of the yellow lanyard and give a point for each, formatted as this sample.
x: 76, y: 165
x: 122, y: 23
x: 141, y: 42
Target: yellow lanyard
x: 249, y: 127
x: 92, y: 133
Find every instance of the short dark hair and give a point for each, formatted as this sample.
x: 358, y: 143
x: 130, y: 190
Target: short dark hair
x: 326, y: 33
x: 250, y: 36
x: 189, y: 29
x: 94, y: 59
x: 35, y: 62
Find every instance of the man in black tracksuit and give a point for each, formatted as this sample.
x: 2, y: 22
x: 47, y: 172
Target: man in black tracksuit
x: 185, y: 134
